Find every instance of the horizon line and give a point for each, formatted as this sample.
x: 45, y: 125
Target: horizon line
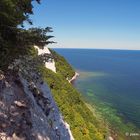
x: 97, y: 48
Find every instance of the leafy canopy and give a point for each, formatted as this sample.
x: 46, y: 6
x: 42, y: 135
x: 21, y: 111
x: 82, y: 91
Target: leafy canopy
x: 14, y: 39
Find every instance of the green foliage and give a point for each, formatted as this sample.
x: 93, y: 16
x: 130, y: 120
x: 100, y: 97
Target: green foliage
x: 84, y: 124
x: 62, y: 67
x: 12, y: 14
x: 9, y: 53
x: 15, y: 12
x: 15, y: 40
x: 35, y: 36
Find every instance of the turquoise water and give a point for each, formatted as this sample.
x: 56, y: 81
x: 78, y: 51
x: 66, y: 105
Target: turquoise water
x: 109, y: 77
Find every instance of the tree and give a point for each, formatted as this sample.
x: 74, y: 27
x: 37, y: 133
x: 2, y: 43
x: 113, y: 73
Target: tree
x: 12, y: 14
x: 14, y: 39
x: 35, y: 36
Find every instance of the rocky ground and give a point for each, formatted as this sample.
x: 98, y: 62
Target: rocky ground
x: 27, y: 109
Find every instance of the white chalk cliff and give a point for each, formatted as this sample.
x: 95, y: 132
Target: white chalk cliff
x: 50, y: 64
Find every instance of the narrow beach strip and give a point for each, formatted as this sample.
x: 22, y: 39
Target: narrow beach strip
x: 74, y: 77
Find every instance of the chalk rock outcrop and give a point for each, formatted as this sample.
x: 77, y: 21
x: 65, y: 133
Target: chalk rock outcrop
x: 50, y: 64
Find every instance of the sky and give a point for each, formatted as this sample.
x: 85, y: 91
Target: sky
x: 101, y: 24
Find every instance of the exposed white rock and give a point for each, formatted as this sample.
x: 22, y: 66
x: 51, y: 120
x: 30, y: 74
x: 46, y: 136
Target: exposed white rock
x: 50, y: 64
x: 73, y: 78
x: 110, y: 138
x: 68, y: 127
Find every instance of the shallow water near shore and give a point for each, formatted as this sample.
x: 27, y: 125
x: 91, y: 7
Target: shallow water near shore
x: 110, y: 79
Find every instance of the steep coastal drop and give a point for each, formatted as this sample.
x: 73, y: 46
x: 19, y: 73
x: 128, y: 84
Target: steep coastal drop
x: 28, y: 109
x: 37, y: 102
x: 84, y: 124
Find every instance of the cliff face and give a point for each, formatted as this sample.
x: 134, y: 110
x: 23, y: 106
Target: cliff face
x: 28, y: 111
x: 50, y: 64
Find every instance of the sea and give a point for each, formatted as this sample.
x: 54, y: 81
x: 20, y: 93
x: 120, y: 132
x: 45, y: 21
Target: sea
x: 110, y: 80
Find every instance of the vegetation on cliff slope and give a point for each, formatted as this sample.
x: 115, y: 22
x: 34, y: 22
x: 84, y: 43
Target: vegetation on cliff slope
x: 62, y: 66
x: 84, y: 124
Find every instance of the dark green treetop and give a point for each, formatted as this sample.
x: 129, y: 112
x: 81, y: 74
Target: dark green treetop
x: 14, y: 38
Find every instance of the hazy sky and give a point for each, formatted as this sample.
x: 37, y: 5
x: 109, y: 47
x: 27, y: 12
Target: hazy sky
x: 91, y: 23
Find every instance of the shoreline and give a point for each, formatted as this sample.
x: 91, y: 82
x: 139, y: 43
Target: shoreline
x: 74, y: 77
x: 110, y: 137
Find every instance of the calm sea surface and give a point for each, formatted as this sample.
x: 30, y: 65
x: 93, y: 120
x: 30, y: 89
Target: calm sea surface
x: 111, y: 77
